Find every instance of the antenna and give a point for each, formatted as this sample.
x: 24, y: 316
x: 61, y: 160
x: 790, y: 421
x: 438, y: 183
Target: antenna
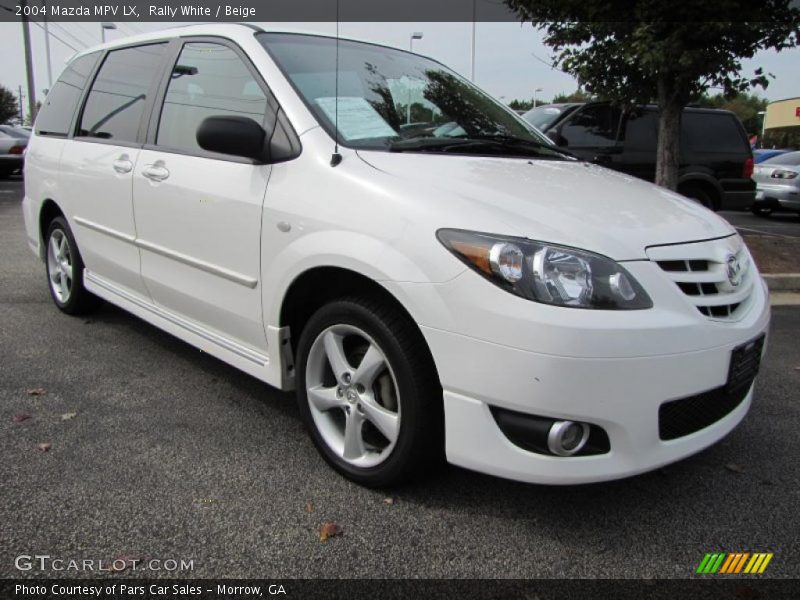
x: 336, y: 158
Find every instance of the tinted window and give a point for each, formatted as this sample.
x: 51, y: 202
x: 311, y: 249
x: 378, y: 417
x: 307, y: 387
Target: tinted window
x: 60, y: 104
x: 207, y: 80
x: 542, y: 117
x: 641, y: 131
x: 709, y: 132
x: 116, y: 100
x: 594, y: 126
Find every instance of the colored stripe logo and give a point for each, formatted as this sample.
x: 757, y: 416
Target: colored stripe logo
x: 734, y: 563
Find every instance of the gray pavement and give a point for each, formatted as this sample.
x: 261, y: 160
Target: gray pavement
x: 173, y: 455
x: 780, y: 224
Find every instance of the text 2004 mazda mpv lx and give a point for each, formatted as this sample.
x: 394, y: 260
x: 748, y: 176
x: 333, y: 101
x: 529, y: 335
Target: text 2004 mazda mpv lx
x: 444, y: 281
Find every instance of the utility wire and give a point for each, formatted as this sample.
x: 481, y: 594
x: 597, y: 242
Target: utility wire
x: 70, y: 34
x: 67, y: 44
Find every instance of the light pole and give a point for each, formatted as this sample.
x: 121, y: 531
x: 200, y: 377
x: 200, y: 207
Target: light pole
x: 534, y: 96
x: 763, y: 114
x: 47, y: 46
x: 417, y: 35
x: 103, y: 27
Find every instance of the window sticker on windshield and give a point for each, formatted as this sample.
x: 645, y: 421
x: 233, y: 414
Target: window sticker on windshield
x: 358, y: 120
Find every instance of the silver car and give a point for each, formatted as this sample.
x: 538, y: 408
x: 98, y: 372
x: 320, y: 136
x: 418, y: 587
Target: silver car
x: 13, y: 141
x: 777, y: 184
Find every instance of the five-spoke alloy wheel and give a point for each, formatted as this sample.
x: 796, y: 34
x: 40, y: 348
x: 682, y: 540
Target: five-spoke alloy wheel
x: 368, y: 392
x: 65, y: 270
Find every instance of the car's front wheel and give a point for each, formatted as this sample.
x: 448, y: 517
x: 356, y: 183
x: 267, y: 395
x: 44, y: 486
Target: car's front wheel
x: 368, y: 392
x: 64, y: 267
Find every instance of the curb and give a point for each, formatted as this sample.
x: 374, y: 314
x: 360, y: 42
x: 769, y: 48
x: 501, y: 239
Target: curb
x: 782, y: 282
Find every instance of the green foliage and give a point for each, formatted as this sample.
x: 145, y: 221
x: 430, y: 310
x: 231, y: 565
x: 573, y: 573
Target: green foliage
x: 576, y: 96
x: 745, y: 106
x: 8, y: 105
x: 626, y: 60
x: 520, y: 104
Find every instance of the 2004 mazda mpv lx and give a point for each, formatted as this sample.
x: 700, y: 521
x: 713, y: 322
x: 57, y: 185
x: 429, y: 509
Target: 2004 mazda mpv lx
x: 442, y: 280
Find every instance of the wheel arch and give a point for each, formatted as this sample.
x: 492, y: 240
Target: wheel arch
x: 704, y: 182
x: 47, y: 212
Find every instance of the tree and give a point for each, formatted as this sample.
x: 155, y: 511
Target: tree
x: 576, y: 96
x: 29, y: 120
x: 8, y: 105
x: 520, y: 104
x: 745, y: 106
x: 654, y: 56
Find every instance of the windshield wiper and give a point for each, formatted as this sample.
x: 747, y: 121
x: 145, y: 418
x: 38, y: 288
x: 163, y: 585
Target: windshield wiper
x: 496, y: 143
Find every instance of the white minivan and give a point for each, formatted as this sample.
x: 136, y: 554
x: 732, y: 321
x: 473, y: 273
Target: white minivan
x: 431, y: 275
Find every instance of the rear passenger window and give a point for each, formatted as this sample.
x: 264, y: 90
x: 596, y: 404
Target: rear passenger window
x: 116, y: 101
x: 708, y: 132
x: 641, y: 131
x: 59, y: 106
x: 208, y: 80
x: 593, y: 127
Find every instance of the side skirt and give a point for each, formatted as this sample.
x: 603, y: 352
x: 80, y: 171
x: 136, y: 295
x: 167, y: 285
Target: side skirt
x: 251, y: 362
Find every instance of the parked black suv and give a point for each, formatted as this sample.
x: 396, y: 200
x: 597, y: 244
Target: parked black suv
x: 716, y: 161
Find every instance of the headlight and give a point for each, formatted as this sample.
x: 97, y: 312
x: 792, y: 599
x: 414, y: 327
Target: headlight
x: 547, y: 273
x: 783, y: 174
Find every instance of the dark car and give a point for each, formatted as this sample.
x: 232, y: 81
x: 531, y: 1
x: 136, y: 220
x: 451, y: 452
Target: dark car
x: 716, y: 160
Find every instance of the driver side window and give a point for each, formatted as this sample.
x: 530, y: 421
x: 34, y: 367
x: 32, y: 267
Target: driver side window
x: 207, y: 80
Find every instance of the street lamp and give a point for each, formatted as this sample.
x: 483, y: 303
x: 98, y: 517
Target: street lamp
x: 763, y: 114
x: 417, y: 35
x: 534, y: 96
x: 103, y: 27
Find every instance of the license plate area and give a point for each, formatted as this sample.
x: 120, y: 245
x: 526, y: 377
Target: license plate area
x: 744, y: 365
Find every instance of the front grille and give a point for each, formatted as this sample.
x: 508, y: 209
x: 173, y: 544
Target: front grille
x: 701, y: 272
x: 678, y: 418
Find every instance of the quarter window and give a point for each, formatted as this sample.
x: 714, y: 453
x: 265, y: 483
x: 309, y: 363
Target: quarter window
x: 207, y: 80
x: 59, y: 106
x: 114, y: 107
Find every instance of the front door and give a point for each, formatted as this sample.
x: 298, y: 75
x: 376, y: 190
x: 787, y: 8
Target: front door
x: 198, y: 214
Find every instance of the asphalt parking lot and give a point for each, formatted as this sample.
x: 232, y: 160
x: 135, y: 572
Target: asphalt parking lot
x: 781, y: 224
x: 160, y: 451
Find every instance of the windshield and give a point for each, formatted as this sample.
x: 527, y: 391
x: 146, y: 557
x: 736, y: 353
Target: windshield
x: 397, y: 101
x: 542, y: 117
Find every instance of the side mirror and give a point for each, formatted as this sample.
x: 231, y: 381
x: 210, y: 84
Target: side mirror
x: 556, y: 138
x: 237, y: 136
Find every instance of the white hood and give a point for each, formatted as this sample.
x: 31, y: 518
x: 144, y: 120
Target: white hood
x: 565, y: 202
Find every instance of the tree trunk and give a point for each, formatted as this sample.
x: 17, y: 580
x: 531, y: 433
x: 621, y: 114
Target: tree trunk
x: 668, y: 151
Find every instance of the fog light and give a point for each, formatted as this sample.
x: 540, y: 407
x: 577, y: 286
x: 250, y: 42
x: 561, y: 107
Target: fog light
x: 567, y: 437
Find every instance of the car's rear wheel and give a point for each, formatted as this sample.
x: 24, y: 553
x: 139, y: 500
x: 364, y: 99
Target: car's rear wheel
x: 700, y: 195
x: 64, y: 267
x: 761, y: 211
x: 368, y: 392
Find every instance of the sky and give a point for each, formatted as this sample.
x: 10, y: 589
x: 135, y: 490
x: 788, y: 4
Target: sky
x: 511, y: 61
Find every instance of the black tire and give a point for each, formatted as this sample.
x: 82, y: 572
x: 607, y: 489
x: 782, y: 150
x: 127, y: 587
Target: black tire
x: 700, y: 195
x: 419, y: 446
x: 761, y: 211
x: 79, y: 300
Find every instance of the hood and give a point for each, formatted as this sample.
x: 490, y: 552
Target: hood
x: 565, y: 202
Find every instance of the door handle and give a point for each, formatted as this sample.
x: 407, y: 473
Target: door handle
x: 123, y: 164
x: 156, y: 172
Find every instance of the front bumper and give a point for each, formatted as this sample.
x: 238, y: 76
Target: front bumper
x: 609, y: 368
x: 777, y: 197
